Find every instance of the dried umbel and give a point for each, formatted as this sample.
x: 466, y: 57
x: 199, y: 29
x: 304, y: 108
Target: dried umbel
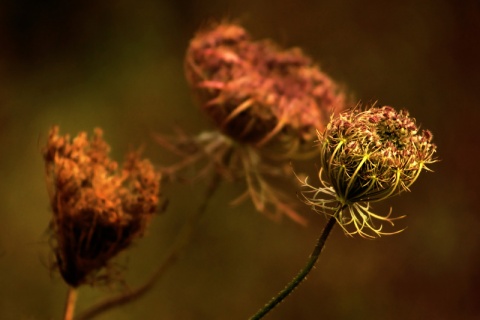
x: 266, y: 104
x: 256, y: 92
x: 368, y: 156
x: 98, y: 209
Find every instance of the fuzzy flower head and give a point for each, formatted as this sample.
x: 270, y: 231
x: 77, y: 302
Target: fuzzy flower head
x: 257, y: 93
x: 98, y: 209
x: 368, y: 156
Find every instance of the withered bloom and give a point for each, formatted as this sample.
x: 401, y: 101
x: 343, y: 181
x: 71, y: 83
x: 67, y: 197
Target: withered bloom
x: 98, y: 209
x: 255, y: 92
x: 368, y: 156
x: 266, y: 104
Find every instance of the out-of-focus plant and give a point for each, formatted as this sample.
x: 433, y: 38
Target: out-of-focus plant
x: 98, y: 209
x: 266, y: 104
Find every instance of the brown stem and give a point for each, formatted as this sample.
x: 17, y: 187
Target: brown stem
x: 70, y: 303
x: 304, y: 272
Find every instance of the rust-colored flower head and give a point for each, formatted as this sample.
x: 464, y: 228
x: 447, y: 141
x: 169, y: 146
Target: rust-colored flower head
x: 98, y: 209
x: 368, y: 156
x: 256, y: 92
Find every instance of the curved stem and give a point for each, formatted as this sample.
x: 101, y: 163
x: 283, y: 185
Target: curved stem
x: 70, y: 303
x: 174, y: 252
x: 304, y: 272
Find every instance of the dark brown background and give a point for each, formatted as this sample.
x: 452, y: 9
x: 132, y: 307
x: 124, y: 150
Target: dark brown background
x: 118, y: 65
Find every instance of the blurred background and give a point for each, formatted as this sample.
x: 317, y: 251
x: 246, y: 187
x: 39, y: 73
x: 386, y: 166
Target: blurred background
x: 118, y: 65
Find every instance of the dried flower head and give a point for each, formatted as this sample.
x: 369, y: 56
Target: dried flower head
x: 266, y: 104
x: 255, y: 92
x: 98, y: 210
x: 368, y: 156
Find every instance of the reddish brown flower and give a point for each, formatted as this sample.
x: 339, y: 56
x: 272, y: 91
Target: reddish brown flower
x: 255, y: 92
x: 98, y: 210
x: 266, y: 103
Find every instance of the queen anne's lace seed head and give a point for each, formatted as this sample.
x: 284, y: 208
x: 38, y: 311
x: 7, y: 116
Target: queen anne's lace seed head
x: 368, y: 156
x: 257, y: 93
x: 98, y: 210
x: 266, y: 104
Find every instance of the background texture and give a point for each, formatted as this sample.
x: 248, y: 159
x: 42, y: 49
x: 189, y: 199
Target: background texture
x: 119, y: 65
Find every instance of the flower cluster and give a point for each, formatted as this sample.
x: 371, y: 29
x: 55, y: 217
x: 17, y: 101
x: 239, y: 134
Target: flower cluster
x: 368, y: 156
x: 255, y: 92
x: 266, y: 104
x: 98, y: 210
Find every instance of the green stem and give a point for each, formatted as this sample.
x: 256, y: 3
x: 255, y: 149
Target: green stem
x: 304, y: 272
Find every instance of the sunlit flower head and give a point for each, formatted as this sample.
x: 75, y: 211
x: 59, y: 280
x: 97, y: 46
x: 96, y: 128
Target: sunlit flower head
x: 98, y: 210
x: 368, y: 156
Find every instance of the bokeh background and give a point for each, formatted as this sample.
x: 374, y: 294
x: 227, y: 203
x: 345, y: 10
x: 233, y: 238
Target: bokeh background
x: 118, y: 65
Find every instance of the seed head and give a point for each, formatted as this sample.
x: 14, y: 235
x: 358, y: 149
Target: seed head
x: 98, y: 210
x: 369, y: 156
x: 255, y: 92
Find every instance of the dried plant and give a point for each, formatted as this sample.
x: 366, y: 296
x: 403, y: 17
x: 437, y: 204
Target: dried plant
x: 266, y: 104
x: 257, y: 93
x: 98, y: 209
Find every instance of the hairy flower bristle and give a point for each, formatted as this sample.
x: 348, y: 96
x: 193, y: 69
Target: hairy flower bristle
x: 98, y: 210
x: 257, y: 93
x: 217, y: 154
x: 368, y: 156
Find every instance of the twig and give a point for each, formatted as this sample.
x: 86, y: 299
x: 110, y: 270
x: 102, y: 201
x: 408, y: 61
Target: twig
x: 304, y: 272
x: 70, y: 303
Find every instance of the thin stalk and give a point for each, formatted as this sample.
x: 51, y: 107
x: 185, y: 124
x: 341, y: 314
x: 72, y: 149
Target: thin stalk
x: 174, y: 252
x: 304, y: 272
x: 70, y: 303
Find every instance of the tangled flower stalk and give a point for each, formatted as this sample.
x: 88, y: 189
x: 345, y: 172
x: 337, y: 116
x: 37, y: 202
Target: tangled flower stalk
x: 266, y: 104
x: 98, y: 210
x: 366, y: 156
